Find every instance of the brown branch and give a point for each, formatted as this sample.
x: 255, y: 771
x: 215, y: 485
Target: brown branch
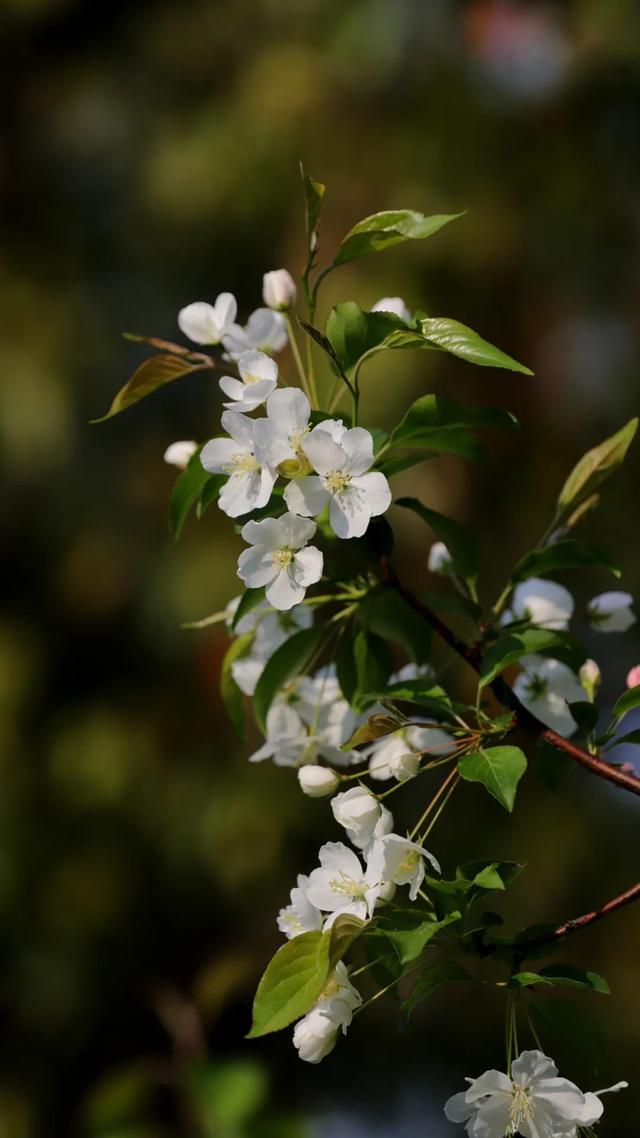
x: 507, y: 697
x: 582, y: 922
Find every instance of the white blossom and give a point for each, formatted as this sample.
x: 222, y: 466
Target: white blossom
x: 291, y: 742
x: 341, y: 884
x: 321, y: 704
x: 543, y: 603
x: 393, y: 304
x: 315, y: 1035
x: 179, y: 453
x: 270, y: 629
x: 400, y: 861
x: 358, y: 810
x: 612, y: 612
x: 439, y: 559
x: 317, y: 781
x: 285, y: 426
x: 343, y: 480
x: 590, y: 676
x: 412, y: 672
x: 280, y: 559
x: 208, y: 323
x: 258, y: 378
x: 532, y: 1101
x: 251, y: 475
x: 300, y: 916
x: 545, y: 687
x: 264, y: 330
x: 279, y: 290
x: 398, y: 755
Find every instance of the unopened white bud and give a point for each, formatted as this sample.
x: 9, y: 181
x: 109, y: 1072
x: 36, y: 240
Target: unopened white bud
x: 278, y: 290
x: 317, y: 781
x: 178, y: 454
x: 440, y: 560
x: 590, y: 678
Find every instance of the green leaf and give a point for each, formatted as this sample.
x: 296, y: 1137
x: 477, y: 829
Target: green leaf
x: 344, y: 931
x: 511, y: 647
x: 153, y: 373
x: 313, y: 194
x: 499, y: 769
x: 232, y: 697
x: 321, y: 340
x: 627, y: 701
x: 488, y: 876
x: 438, y: 440
x: 288, y: 660
x: 410, y: 942
x: 387, y: 614
x: 430, y: 980
x: 424, y: 692
x: 432, y: 416
x: 630, y: 737
x: 566, y: 554
x: 451, y: 602
x: 568, y: 975
x: 373, y: 661
x: 390, y: 227
x: 574, y: 1028
x: 585, y: 715
x: 352, y: 331
x: 291, y: 984
x: 187, y: 491
x: 451, y: 336
x: 595, y: 466
x: 376, y: 727
x: 209, y: 494
x: 248, y: 601
x: 395, y: 464
x: 460, y: 543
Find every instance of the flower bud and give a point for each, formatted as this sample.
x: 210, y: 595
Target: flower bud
x: 278, y: 290
x: 317, y: 781
x: 395, y: 305
x: 358, y: 810
x: 178, y: 454
x: 315, y: 1036
x: 633, y: 678
x: 590, y: 678
x: 439, y: 560
x: 405, y: 765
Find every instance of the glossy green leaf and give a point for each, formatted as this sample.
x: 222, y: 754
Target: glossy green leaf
x: 410, y: 942
x: 288, y: 660
x: 423, y: 692
x: 568, y: 975
x: 566, y: 554
x: 186, y: 492
x: 433, y: 414
x: 585, y: 715
x: 513, y: 645
x: 596, y: 465
x: 232, y: 697
x: 291, y: 984
x: 384, y: 612
x: 435, y: 440
x: 153, y: 373
x: 451, y: 336
x: 627, y: 701
x: 373, y: 661
x: 630, y: 737
x: 499, y: 769
x: 353, y: 331
x: 209, y: 494
x: 344, y: 931
x: 431, y: 979
x: 458, y: 540
x: 390, y: 227
x: 248, y: 601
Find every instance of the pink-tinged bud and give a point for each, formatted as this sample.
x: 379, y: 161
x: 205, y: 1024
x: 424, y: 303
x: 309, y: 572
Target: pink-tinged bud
x: 633, y: 679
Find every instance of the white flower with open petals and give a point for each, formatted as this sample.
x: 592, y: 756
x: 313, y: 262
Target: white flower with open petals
x: 393, y: 304
x: 543, y: 603
x: 287, y: 742
x: 315, y: 1035
x: 532, y: 1101
x: 265, y: 330
x: 341, y: 884
x: 355, y: 494
x: 545, y: 687
x: 251, y: 475
x: 286, y: 425
x: 300, y: 916
x: 259, y: 377
x: 280, y: 559
x: 612, y: 612
x: 208, y: 323
x: 400, y: 861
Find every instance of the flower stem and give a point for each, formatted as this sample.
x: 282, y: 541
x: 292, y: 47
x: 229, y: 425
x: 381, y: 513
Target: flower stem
x: 307, y: 386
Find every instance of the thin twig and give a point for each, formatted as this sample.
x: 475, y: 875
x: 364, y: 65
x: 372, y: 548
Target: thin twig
x: 572, y: 926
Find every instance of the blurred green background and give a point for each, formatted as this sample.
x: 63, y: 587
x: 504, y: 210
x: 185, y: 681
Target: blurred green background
x: 150, y: 159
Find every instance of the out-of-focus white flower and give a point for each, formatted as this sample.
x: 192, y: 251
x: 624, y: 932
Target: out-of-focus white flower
x: 611, y: 612
x: 400, y: 861
x: 358, y: 810
x: 259, y: 376
x: 343, y: 481
x: 279, y: 290
x: 287, y: 742
x: 590, y: 677
x: 300, y: 916
x: 341, y: 884
x: 208, y: 323
x: 543, y: 603
x: 271, y: 630
x: 545, y: 687
x: 315, y: 1035
x: 317, y: 781
x: 531, y: 1101
x: 251, y: 476
x: 265, y: 330
x: 393, y: 304
x: 321, y: 704
x: 179, y: 453
x: 412, y: 672
x: 633, y: 677
x: 280, y: 559
x: 439, y: 559
x: 399, y: 755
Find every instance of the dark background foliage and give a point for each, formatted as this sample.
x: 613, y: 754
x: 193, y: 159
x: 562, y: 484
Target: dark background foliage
x: 149, y: 158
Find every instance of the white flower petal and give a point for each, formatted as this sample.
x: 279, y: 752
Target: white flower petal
x: 217, y: 454
x: 284, y: 591
x: 256, y: 567
x: 306, y: 496
x: 307, y: 566
x: 358, y: 447
x: 376, y: 489
x: 323, y: 453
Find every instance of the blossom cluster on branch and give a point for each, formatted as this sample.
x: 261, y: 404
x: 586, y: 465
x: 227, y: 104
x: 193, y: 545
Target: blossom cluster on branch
x: 337, y: 659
